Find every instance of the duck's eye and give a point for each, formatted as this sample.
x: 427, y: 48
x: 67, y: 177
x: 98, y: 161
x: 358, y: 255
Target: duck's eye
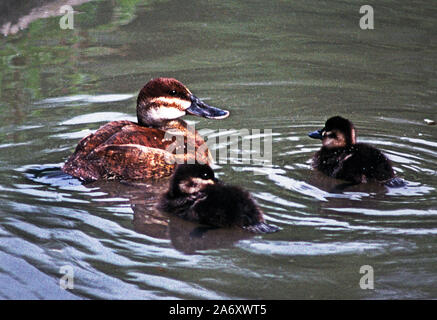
x: 173, y: 93
x: 206, y: 176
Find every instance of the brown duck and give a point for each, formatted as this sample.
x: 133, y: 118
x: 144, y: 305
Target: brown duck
x: 128, y: 150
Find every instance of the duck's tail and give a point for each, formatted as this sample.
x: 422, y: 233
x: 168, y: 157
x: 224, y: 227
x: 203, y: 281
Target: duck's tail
x: 261, y: 227
x: 395, y: 183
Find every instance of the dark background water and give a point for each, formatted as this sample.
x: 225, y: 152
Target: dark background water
x: 280, y: 65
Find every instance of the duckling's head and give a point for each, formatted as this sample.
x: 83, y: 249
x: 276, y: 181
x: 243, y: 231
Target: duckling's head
x: 338, y: 132
x: 165, y: 99
x: 189, y: 179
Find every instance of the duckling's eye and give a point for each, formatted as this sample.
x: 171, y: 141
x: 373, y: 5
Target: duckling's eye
x: 207, y: 176
x: 173, y: 93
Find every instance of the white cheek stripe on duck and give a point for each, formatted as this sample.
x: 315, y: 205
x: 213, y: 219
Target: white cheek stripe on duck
x: 166, y: 113
x: 170, y: 101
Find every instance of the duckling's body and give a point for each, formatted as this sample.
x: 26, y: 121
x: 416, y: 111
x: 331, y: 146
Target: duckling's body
x: 356, y: 163
x: 129, y: 150
x: 341, y: 157
x: 196, y: 195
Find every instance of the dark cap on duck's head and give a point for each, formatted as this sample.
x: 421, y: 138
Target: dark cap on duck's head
x: 338, y: 132
x: 191, y: 178
x: 163, y: 87
x: 163, y: 99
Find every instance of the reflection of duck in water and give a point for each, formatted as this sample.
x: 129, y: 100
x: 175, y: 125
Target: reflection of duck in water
x: 341, y: 157
x: 128, y: 150
x: 196, y: 195
x: 185, y: 236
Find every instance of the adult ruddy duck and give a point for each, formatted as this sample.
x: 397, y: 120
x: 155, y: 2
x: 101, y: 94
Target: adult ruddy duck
x: 341, y: 157
x: 129, y: 150
x: 196, y: 195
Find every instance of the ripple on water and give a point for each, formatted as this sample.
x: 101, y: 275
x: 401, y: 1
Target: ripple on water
x: 95, y: 225
x: 294, y: 248
x: 83, y: 99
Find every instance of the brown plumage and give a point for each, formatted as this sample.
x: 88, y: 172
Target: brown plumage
x: 129, y: 150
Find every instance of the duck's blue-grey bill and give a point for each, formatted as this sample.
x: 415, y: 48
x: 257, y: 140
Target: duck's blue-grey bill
x: 201, y: 109
x: 316, y: 134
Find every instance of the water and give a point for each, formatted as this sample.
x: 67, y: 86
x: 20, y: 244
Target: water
x: 280, y: 65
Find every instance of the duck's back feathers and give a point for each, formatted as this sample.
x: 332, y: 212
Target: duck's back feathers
x: 121, y: 149
x: 126, y: 150
x: 131, y: 161
x: 357, y: 163
x: 93, y: 140
x: 77, y: 164
x: 136, y: 134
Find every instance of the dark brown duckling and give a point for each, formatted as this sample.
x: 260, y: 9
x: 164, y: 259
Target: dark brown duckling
x: 196, y: 195
x: 341, y: 157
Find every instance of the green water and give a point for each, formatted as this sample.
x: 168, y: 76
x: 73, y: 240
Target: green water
x: 284, y: 66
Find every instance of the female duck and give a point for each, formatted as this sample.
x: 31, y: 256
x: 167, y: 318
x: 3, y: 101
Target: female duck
x: 128, y: 150
x: 196, y: 195
x: 342, y: 158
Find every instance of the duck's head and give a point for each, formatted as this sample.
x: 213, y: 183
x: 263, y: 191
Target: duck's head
x: 338, y: 132
x: 189, y: 179
x: 165, y: 99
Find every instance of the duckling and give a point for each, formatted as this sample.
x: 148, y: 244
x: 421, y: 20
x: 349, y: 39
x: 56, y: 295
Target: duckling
x: 196, y: 195
x: 341, y: 157
x: 128, y: 150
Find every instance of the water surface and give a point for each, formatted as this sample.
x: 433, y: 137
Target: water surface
x: 280, y: 65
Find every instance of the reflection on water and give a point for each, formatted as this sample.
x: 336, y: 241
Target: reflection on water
x: 18, y: 15
x: 282, y: 65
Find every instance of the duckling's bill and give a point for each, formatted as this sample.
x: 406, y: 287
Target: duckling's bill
x: 316, y: 134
